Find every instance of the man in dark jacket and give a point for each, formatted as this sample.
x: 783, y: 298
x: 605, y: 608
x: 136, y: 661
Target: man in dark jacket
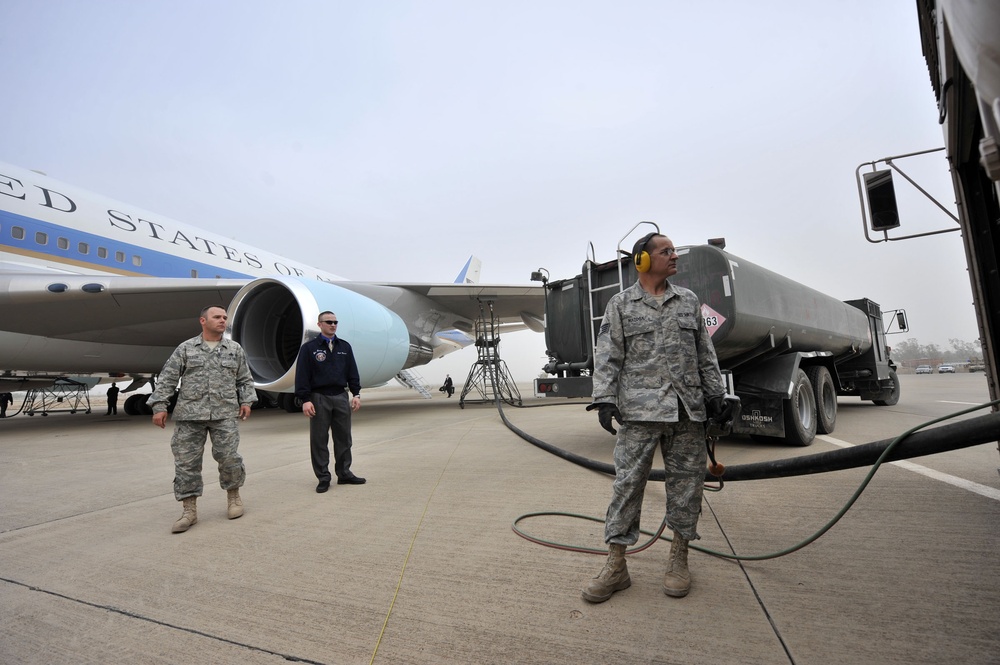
x: 324, y: 373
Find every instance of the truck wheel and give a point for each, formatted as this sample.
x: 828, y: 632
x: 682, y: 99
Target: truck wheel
x: 890, y: 396
x: 826, y: 398
x: 800, y: 412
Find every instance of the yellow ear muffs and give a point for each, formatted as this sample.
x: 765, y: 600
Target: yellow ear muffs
x: 640, y: 256
x: 642, y: 261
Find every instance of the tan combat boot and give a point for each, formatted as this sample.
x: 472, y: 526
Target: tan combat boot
x: 188, y: 517
x: 613, y: 577
x: 677, y: 581
x: 235, y: 504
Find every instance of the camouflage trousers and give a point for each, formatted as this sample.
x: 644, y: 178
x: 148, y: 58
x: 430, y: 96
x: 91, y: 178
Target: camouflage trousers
x: 685, y: 457
x: 188, y: 446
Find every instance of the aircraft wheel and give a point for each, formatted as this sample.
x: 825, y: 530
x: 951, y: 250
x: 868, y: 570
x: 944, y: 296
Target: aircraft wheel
x: 290, y: 403
x: 800, y: 412
x: 143, y: 404
x: 131, y: 405
x: 826, y: 398
x: 265, y: 400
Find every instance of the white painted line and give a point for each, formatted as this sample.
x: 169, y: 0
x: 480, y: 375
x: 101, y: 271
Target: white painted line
x: 945, y: 401
x: 961, y: 483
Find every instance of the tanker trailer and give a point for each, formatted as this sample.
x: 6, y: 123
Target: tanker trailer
x: 790, y: 349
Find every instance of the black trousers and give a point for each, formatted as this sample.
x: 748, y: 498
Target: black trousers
x: 333, y: 415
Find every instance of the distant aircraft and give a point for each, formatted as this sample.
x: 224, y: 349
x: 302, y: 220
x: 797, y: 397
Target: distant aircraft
x: 91, y: 287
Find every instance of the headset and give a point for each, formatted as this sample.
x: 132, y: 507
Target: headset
x: 639, y: 254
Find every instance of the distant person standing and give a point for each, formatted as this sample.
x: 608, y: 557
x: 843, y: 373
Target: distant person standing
x: 112, y: 399
x: 5, y: 399
x: 215, y: 387
x: 324, y: 373
x: 449, y: 385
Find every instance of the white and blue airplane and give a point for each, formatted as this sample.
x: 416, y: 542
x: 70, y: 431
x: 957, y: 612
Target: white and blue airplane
x: 92, y: 287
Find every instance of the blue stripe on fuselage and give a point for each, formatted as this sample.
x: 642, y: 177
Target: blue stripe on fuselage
x: 154, y: 263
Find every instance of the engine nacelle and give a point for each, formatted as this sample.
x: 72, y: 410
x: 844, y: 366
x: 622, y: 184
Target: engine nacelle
x: 272, y: 317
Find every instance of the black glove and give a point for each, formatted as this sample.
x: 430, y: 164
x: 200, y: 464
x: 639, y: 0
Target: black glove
x: 605, y: 412
x: 719, y: 409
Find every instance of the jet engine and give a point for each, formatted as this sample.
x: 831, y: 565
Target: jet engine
x: 272, y: 317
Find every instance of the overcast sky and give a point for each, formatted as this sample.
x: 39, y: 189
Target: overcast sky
x: 388, y: 141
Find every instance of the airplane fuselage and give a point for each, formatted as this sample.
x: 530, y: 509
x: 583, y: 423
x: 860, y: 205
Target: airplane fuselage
x: 92, y: 285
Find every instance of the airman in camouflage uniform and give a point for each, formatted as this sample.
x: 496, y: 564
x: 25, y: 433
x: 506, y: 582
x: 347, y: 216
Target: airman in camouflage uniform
x: 655, y: 369
x: 215, y: 387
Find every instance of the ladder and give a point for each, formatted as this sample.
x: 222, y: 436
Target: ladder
x: 489, y: 375
x: 602, y: 284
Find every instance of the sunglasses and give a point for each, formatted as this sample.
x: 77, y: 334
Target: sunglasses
x: 329, y: 323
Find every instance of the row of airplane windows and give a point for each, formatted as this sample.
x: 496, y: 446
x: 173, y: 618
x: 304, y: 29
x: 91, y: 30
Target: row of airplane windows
x: 82, y: 248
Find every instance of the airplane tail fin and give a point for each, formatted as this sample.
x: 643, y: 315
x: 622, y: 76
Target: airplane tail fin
x: 470, y: 272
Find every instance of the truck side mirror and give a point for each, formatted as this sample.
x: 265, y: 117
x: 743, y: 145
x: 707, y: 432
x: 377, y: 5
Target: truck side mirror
x: 901, y: 321
x: 881, y: 195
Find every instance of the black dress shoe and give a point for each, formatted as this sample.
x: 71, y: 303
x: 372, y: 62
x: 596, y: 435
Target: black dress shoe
x: 352, y: 480
x: 323, y: 486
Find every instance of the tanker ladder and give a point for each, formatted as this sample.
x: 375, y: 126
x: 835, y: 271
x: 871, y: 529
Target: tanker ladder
x: 489, y: 375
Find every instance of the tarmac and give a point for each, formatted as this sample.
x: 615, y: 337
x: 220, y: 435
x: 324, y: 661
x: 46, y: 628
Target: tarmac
x: 421, y: 564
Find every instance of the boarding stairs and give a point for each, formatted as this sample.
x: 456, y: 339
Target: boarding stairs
x: 412, y: 379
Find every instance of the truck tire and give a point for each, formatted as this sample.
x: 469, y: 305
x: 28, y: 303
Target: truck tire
x: 800, y: 412
x: 826, y: 398
x: 889, y: 396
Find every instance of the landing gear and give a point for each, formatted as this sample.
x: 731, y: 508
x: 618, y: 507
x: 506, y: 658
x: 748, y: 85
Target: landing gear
x: 290, y: 403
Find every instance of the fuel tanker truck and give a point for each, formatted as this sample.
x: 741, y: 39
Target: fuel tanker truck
x: 786, y: 350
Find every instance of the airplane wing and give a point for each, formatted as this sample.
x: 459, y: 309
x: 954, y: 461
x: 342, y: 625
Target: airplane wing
x: 102, y: 309
x: 516, y: 306
x: 77, y: 324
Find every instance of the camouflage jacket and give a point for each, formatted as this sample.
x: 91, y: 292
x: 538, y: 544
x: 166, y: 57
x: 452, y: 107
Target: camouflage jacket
x: 214, y: 383
x: 651, y: 354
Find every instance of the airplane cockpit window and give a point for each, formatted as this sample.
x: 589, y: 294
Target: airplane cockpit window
x: 120, y: 257
x: 83, y: 248
x: 41, y: 238
x: 102, y: 252
x: 62, y: 243
x: 17, y: 232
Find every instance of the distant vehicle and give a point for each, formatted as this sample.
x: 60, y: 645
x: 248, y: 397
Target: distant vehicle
x: 977, y: 367
x: 946, y: 369
x: 924, y: 369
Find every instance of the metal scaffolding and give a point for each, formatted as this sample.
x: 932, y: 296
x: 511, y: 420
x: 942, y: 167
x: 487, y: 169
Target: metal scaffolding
x: 489, y: 375
x: 65, y: 395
